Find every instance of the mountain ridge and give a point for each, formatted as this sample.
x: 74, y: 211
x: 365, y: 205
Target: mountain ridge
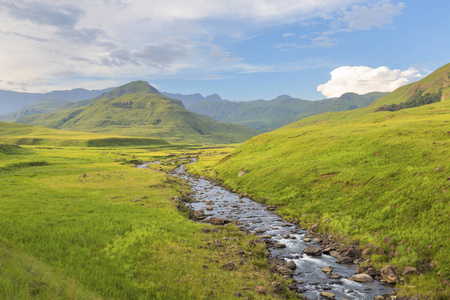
x: 263, y: 115
x: 138, y: 109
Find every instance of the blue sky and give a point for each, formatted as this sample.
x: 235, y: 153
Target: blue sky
x: 239, y: 49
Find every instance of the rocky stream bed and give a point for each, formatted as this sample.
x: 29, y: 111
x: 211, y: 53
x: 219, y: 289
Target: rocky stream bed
x: 316, y: 265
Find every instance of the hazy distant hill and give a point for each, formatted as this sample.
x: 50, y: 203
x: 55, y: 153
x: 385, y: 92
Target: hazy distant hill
x: 265, y: 116
x: 192, y: 99
x: 138, y: 109
x: 13, y: 101
x: 43, y: 107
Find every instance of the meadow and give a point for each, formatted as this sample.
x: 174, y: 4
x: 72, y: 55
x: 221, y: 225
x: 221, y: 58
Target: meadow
x: 369, y: 177
x: 85, y: 223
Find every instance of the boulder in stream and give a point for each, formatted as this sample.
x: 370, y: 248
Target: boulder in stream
x: 218, y: 221
x: 361, y: 278
x: 327, y: 270
x: 279, y: 245
x: 327, y: 295
x: 311, y: 250
x: 344, y: 260
x: 285, y: 271
x: 199, y: 214
x: 291, y: 265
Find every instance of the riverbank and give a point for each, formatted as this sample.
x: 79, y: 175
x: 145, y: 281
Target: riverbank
x: 294, y: 253
x: 382, y: 247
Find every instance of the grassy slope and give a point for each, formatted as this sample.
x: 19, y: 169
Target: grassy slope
x: 69, y: 229
x: 11, y: 133
x: 438, y: 80
x: 136, y: 110
x: 371, y: 174
x: 269, y: 115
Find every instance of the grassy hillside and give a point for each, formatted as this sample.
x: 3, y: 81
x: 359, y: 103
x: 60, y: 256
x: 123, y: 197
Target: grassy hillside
x: 439, y: 80
x: 374, y: 177
x: 137, y: 110
x: 87, y: 225
x: 268, y: 115
x: 11, y: 133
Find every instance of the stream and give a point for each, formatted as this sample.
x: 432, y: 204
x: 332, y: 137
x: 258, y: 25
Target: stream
x: 262, y: 222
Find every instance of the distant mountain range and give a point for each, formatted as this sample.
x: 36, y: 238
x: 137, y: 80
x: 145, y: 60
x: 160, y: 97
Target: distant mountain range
x: 260, y: 115
x: 138, y: 109
x: 189, y: 100
x: 13, y: 101
x: 265, y: 116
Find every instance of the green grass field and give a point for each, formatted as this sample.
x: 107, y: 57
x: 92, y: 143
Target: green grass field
x: 71, y: 228
x: 372, y: 175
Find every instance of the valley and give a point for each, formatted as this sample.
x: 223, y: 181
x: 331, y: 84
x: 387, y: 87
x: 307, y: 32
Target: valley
x: 79, y: 220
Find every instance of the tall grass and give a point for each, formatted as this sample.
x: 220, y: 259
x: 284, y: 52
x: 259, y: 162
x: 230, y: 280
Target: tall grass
x: 87, y: 225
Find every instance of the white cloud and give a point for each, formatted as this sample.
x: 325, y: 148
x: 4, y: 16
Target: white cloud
x: 362, y: 80
x: 47, y: 44
x: 288, y: 34
x: 378, y: 14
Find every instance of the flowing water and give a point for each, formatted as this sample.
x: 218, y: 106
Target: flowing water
x: 257, y: 219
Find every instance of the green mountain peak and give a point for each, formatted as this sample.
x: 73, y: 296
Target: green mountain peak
x: 134, y: 87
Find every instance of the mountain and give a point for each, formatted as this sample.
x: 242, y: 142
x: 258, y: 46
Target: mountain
x: 192, y: 99
x: 13, y: 101
x: 43, y: 107
x: 138, y: 109
x: 265, y: 116
x: 379, y: 178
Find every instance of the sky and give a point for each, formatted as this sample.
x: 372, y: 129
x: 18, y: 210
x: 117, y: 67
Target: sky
x: 239, y: 49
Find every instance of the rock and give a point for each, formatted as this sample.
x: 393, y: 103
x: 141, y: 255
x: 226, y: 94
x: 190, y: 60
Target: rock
x: 307, y: 240
x: 344, y: 260
x: 218, y: 221
x: 279, y: 245
x: 291, y: 265
x: 237, y: 294
x: 292, y: 286
x: 408, y: 270
x: 271, y: 207
x: 372, y: 249
x: 298, y: 281
x: 209, y: 208
x: 361, y: 278
x: 260, y: 289
x: 199, y: 214
x: 335, y: 276
x: 334, y: 254
x: 285, y: 271
x: 313, y: 251
x: 352, y: 251
x: 388, y: 274
x: 209, y: 202
x: 327, y: 270
x: 313, y: 227
x: 379, y: 297
x: 327, y: 295
x: 230, y: 266
x: 242, y: 173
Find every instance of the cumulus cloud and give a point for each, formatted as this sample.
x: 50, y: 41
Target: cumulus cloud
x: 362, y: 80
